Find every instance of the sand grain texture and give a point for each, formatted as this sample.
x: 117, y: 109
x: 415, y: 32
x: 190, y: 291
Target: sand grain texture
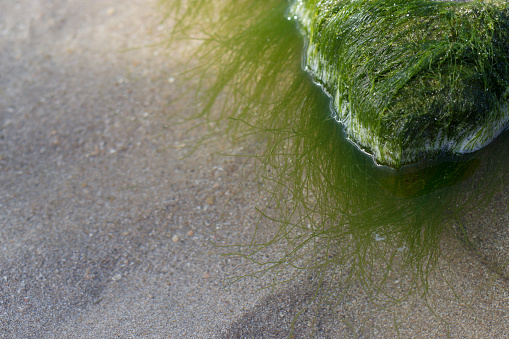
x: 105, y: 231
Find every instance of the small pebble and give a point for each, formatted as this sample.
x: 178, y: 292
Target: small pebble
x: 210, y: 200
x: 175, y: 238
x: 190, y: 233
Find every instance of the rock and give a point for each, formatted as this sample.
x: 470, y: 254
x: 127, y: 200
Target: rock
x: 411, y: 79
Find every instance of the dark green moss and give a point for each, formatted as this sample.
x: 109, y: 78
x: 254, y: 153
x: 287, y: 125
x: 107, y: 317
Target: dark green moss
x: 412, y: 78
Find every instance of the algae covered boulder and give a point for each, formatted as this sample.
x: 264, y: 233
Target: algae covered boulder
x: 411, y: 79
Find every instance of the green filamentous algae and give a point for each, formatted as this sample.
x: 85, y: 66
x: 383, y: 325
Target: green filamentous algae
x: 411, y: 79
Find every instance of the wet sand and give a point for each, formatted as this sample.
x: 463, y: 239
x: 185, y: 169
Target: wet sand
x: 106, y: 230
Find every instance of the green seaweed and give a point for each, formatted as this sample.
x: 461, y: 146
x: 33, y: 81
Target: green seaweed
x: 412, y: 79
x: 339, y: 215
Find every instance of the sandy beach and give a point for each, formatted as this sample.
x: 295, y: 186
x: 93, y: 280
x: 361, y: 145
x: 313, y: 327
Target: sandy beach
x: 107, y: 229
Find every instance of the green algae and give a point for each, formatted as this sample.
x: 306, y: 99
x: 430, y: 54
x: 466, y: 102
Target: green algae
x: 339, y: 214
x: 411, y: 79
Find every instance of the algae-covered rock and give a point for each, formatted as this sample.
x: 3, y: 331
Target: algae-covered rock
x: 411, y: 79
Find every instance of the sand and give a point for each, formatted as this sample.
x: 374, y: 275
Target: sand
x: 106, y: 230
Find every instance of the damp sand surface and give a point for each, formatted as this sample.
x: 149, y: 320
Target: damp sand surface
x: 106, y: 230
